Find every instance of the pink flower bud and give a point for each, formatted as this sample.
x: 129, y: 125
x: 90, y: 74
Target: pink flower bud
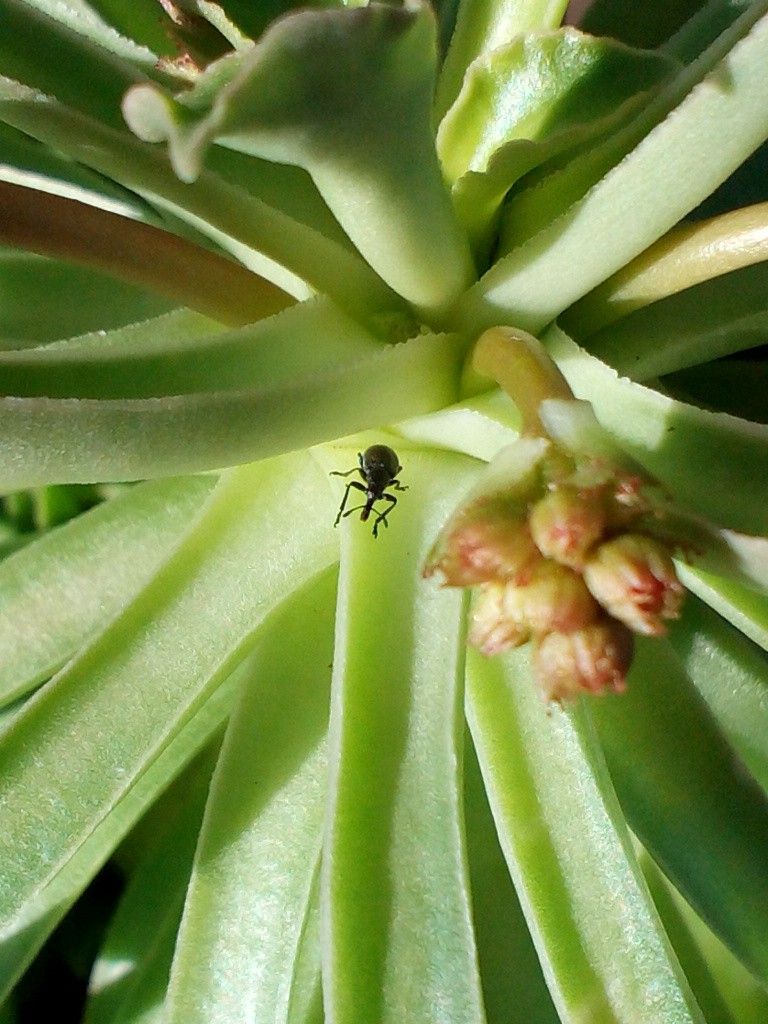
x: 492, y: 629
x: 556, y: 598
x: 634, y: 579
x: 595, y: 659
x: 567, y: 522
x: 484, y: 545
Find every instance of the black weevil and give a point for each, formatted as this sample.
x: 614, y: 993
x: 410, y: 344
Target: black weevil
x: 378, y: 466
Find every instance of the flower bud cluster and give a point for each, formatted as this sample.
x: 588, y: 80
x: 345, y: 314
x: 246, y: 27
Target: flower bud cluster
x: 572, y: 566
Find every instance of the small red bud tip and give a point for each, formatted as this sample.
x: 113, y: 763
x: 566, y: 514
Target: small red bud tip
x: 634, y: 579
x: 567, y: 522
x: 483, y: 547
x: 595, y: 660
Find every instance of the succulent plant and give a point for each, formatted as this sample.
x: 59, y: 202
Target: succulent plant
x: 246, y: 245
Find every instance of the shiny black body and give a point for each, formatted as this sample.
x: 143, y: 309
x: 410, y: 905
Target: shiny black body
x: 378, y: 466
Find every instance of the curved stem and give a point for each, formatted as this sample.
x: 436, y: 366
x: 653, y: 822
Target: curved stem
x: 139, y: 253
x: 521, y: 367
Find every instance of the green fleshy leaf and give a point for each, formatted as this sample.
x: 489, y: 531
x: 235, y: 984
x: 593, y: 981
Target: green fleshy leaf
x: 638, y: 24
x: 724, y: 988
x: 481, y: 27
x: 691, y: 804
x: 258, y: 850
x: 43, y: 49
x: 277, y: 101
x: 602, y: 947
x: 398, y: 935
x: 731, y: 674
x: 747, y: 610
x: 25, y: 162
x: 688, y: 255
x: 43, y: 299
x: 558, y: 185
x: 717, y: 318
x: 254, y: 539
x: 714, y: 464
x: 129, y: 978
x: 45, y: 440
x: 509, y: 968
x: 18, y: 948
x: 479, y: 427
x: 306, y: 339
x: 282, y: 186
x: 530, y: 100
x: 253, y: 19
x: 90, y: 567
x: 673, y: 166
x: 262, y: 237
x: 735, y: 386
x: 703, y: 28
x: 136, y: 32
x: 306, y: 999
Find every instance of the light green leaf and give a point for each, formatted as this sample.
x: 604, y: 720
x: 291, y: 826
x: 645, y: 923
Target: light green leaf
x: 734, y: 997
x: 736, y: 386
x: 24, y: 162
x: 49, y: 49
x: 129, y: 978
x: 262, y: 237
x: 309, y: 338
x: 536, y: 97
x: 140, y: 21
x: 252, y: 18
x: 731, y: 674
x: 43, y: 299
x: 509, y: 968
x: 481, y: 27
x: 18, y: 949
x: 80, y: 440
x: 688, y: 800
x: 703, y: 27
x: 306, y: 1001
x: 688, y: 255
x: 603, y: 950
x: 716, y: 318
x: 714, y: 464
x: 747, y: 610
x: 672, y: 167
x: 398, y: 935
x: 56, y: 593
x: 638, y: 24
x: 249, y: 892
x: 478, y: 427
x: 364, y: 134
x: 157, y: 662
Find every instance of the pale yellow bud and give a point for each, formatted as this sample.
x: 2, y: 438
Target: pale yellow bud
x: 634, y: 579
x: 595, y: 659
x: 567, y: 522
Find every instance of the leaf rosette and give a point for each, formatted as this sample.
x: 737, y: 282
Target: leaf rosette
x: 241, y: 243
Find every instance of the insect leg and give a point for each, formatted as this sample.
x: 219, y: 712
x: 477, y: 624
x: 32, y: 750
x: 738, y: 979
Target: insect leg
x: 347, y: 489
x: 397, y: 485
x: 382, y: 516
